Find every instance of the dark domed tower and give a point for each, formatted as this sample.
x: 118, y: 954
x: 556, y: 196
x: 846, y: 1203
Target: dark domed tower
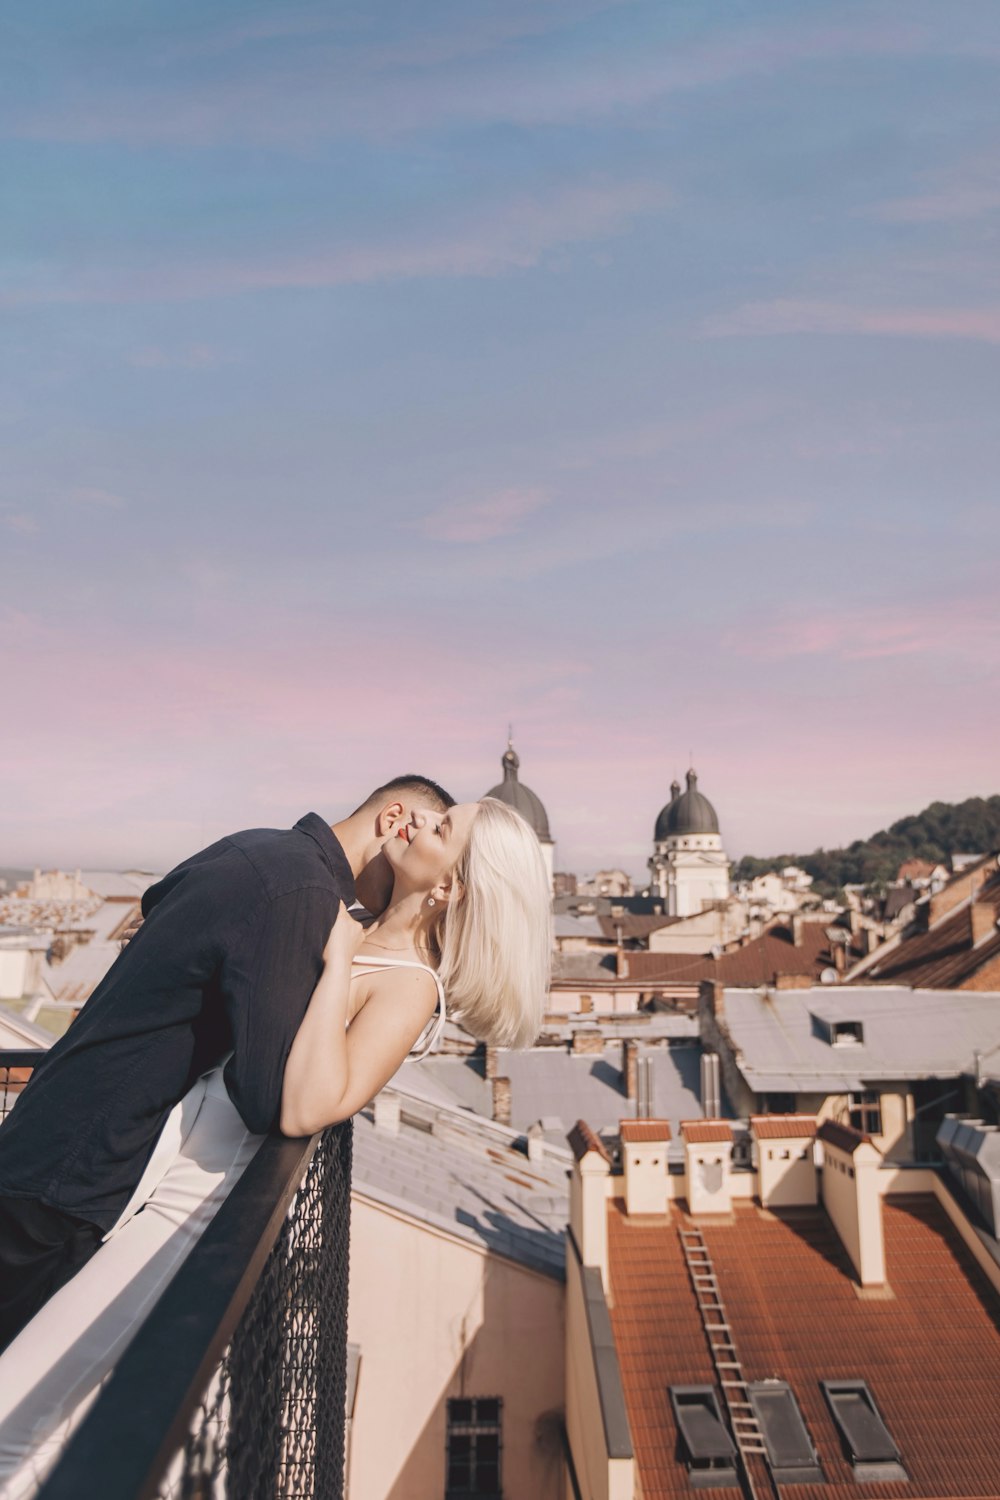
x: 689, y: 866
x: 523, y: 800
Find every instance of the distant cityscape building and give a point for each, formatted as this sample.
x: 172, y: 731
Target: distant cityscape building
x: 514, y: 792
x: 689, y: 867
x: 606, y: 883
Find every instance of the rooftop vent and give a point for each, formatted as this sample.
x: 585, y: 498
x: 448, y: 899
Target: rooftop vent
x: 790, y: 1451
x: 839, y: 1031
x: 709, y: 1451
x: 865, y: 1436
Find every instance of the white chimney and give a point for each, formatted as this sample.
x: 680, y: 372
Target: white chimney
x: 786, y: 1173
x: 851, y: 1198
x: 588, y: 1197
x: 644, y: 1157
x: 708, y: 1160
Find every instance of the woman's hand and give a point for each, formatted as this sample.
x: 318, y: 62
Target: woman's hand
x: 346, y: 937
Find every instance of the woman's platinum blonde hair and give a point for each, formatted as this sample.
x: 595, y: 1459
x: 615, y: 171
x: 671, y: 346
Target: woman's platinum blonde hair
x: 496, y: 938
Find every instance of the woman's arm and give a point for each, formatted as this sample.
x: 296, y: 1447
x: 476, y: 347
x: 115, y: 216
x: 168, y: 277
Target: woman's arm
x: 332, y: 1071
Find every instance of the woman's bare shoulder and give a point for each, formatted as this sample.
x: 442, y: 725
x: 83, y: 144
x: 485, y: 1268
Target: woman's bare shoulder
x: 402, y: 981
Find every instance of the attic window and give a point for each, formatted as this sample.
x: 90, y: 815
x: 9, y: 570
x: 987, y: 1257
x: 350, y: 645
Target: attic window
x: 790, y: 1451
x: 865, y: 1437
x: 846, y: 1033
x: 709, y: 1451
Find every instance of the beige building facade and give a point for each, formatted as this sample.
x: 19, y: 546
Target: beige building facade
x: 437, y: 1320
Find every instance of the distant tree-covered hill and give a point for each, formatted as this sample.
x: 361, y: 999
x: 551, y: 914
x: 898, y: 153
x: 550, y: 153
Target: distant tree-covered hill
x: 942, y: 829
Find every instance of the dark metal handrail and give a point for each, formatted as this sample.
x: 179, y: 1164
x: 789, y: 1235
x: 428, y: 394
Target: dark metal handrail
x: 140, y: 1417
x: 21, y: 1057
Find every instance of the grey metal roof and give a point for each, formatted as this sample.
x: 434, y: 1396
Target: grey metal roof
x: 463, y: 1175
x: 552, y: 1084
x: 522, y: 798
x: 781, y: 1036
x: 565, y: 926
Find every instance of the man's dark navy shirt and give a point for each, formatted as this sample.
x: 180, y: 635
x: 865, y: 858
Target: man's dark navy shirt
x: 225, y: 961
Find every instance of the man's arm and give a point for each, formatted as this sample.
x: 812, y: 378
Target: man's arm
x: 267, y: 980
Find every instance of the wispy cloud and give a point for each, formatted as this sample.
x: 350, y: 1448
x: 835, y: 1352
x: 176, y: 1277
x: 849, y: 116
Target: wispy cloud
x: 968, y: 629
x: 499, y: 515
x: 302, y: 80
x: 509, y: 236
x: 970, y: 190
x: 801, y: 315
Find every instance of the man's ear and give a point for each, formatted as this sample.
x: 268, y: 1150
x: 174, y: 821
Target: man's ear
x: 389, y: 818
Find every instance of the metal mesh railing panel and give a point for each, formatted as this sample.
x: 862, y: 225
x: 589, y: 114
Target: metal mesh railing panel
x: 270, y: 1424
x: 15, y: 1070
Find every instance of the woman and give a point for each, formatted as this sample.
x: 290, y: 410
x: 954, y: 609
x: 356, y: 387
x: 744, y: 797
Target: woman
x: 468, y: 921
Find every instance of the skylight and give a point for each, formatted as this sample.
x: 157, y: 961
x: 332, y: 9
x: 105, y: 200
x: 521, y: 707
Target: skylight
x: 790, y: 1451
x: 710, y: 1452
x: 866, y: 1438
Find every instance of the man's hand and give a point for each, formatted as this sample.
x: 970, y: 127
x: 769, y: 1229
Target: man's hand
x: 346, y: 937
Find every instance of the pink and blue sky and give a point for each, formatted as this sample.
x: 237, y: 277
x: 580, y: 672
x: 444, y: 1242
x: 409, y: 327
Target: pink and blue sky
x: 375, y: 375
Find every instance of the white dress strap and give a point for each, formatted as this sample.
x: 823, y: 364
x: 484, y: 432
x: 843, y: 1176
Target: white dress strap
x: 432, y: 1032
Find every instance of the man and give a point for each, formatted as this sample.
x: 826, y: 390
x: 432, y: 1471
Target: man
x: 226, y: 960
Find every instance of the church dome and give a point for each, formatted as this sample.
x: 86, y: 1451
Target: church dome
x: 521, y: 797
x: 686, y: 812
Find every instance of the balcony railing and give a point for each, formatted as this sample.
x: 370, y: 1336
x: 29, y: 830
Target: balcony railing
x: 235, y: 1384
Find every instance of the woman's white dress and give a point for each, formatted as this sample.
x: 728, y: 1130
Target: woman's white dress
x: 51, y: 1373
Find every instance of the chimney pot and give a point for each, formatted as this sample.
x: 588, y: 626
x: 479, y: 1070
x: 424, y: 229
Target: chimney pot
x: 501, y: 1100
x: 630, y: 1055
x: 712, y: 992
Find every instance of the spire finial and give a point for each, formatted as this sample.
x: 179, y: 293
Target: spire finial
x: 510, y: 759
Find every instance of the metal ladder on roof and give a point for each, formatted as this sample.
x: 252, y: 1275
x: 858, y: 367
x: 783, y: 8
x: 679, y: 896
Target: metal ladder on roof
x: 745, y: 1428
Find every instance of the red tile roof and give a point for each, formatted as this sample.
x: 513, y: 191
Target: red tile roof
x: 760, y: 961
x: 652, y: 1131
x: 930, y: 1353
x: 782, y: 1127
x: 698, y: 1131
x: 583, y: 1139
x: 943, y: 957
x: 843, y: 1136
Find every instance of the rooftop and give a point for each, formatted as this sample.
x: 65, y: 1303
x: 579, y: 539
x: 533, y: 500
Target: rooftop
x: 761, y: 961
x: 555, y: 1084
x: 783, y: 1037
x: 466, y: 1176
x: 948, y: 953
x: 932, y: 1363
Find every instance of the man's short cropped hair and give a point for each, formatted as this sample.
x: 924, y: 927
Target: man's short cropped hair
x: 417, y: 788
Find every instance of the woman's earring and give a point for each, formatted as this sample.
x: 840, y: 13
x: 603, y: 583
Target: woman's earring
x: 430, y: 901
